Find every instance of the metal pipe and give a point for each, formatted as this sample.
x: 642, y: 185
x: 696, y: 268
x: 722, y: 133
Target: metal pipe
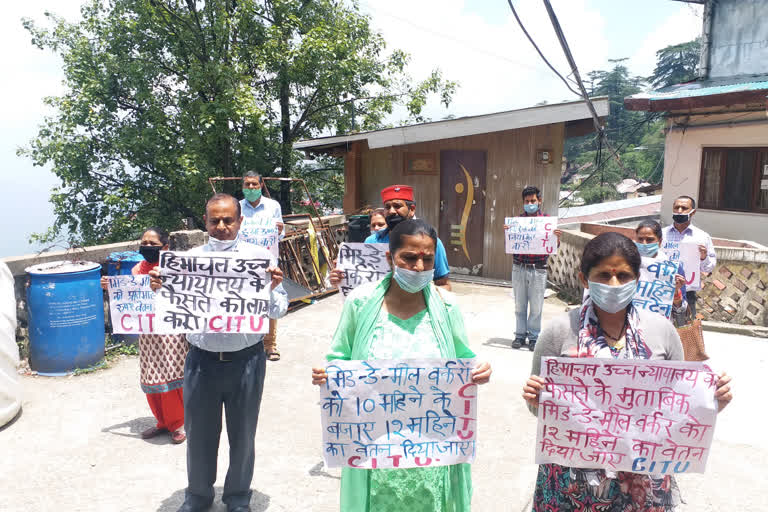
x: 706, y: 39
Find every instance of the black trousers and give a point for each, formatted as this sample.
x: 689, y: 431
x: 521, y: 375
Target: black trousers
x: 691, y: 298
x: 209, y: 384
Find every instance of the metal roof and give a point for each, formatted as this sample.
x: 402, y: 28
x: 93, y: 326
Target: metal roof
x: 609, y: 210
x: 464, y: 126
x: 708, y: 88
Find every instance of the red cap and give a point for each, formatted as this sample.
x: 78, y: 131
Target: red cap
x: 402, y: 192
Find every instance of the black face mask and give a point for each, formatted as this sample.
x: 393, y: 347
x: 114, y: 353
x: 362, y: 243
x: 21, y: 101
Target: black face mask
x: 151, y: 253
x: 681, y: 218
x: 393, y: 220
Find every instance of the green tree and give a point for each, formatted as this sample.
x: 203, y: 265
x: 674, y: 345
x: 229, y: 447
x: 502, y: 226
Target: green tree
x: 676, y: 64
x: 163, y: 94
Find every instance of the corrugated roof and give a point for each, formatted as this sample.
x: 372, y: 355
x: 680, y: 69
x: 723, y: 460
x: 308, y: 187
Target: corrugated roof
x: 707, y: 88
x: 464, y: 126
x: 609, y: 210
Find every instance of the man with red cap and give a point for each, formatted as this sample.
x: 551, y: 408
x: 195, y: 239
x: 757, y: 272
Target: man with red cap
x: 399, y: 204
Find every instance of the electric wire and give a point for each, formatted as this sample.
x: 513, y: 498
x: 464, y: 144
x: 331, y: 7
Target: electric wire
x: 522, y: 27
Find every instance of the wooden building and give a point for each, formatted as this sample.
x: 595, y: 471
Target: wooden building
x: 467, y: 173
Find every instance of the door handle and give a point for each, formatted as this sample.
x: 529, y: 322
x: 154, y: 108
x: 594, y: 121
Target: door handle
x: 441, y: 204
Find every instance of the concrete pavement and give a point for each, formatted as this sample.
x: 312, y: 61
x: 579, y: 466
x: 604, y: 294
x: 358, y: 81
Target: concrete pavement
x: 76, y: 446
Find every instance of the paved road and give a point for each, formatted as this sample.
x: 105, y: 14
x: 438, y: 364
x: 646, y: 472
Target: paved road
x: 77, y: 447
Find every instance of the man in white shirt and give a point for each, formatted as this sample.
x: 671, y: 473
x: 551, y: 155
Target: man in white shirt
x: 10, y: 385
x: 224, y: 370
x: 263, y: 226
x: 682, y: 230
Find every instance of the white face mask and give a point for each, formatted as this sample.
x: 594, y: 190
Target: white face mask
x: 412, y: 281
x: 221, y: 245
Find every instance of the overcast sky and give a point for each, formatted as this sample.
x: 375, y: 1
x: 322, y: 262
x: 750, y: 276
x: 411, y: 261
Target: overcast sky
x: 475, y: 42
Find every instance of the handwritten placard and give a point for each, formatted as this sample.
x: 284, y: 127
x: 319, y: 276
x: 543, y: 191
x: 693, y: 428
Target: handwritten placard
x: 261, y: 231
x: 399, y: 413
x: 688, y: 254
x: 530, y: 235
x: 131, y: 304
x: 361, y: 263
x: 656, y: 286
x: 218, y: 292
x: 643, y: 416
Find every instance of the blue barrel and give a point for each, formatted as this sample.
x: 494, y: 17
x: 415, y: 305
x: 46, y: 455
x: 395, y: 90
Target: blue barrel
x: 65, y: 305
x: 121, y: 264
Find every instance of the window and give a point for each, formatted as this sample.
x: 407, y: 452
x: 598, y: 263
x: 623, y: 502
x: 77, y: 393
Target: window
x: 734, y: 179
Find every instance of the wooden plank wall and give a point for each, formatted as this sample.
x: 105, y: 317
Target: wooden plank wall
x: 511, y: 166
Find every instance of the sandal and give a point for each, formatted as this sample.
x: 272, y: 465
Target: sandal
x: 178, y: 436
x: 273, y: 355
x: 152, y: 432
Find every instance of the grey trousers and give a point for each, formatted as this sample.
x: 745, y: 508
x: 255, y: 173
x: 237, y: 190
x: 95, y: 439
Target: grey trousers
x: 237, y: 385
x: 691, y: 298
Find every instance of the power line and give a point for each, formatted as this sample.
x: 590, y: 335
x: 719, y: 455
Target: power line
x: 522, y: 27
x: 575, y: 73
x: 453, y: 39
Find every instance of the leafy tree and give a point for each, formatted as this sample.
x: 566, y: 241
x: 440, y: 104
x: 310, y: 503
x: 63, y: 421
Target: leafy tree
x: 163, y: 94
x: 676, y: 64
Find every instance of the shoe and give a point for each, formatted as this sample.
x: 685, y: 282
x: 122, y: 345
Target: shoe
x: 531, y: 345
x: 241, y: 508
x: 189, y: 507
x: 178, y: 436
x: 519, y: 342
x: 152, y: 432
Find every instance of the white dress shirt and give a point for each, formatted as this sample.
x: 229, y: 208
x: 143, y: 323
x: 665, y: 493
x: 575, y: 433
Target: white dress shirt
x: 232, y: 342
x: 672, y: 237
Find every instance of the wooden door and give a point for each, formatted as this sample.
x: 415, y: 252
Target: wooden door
x: 462, y: 209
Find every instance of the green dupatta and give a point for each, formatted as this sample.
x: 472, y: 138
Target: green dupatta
x: 352, y: 341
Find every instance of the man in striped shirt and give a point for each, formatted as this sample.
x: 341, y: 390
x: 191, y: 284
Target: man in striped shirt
x: 529, y: 279
x: 682, y: 230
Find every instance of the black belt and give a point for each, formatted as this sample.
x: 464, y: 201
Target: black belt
x: 226, y: 357
x: 540, y: 266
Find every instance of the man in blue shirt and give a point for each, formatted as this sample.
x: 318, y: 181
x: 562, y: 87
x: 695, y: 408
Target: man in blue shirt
x: 263, y: 226
x: 399, y: 204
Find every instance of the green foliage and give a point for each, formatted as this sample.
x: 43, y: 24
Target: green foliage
x: 163, y: 94
x: 676, y: 64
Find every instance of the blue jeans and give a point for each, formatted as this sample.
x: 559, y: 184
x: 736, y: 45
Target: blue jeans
x: 529, y: 284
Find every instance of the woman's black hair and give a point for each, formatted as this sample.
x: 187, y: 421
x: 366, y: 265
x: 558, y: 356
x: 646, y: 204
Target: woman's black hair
x: 606, y: 245
x: 162, y: 234
x: 652, y: 225
x: 410, y: 227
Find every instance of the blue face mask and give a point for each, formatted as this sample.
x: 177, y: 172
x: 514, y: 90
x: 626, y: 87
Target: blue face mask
x: 648, y: 250
x: 412, y: 281
x: 612, y: 299
x: 531, y: 208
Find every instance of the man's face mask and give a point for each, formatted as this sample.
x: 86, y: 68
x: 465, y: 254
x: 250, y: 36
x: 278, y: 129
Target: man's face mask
x: 393, y: 220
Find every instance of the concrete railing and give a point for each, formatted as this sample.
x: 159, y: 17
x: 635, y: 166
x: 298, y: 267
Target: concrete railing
x: 736, y: 292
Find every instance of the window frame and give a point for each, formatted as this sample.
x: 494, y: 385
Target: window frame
x: 757, y: 176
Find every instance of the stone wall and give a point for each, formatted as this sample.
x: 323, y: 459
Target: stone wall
x: 564, y: 266
x: 736, y: 292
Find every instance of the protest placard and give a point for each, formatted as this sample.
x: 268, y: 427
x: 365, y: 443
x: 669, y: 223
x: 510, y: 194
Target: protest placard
x: 643, y: 416
x: 221, y: 292
x: 131, y: 304
x: 399, y: 413
x: 361, y: 263
x: 261, y: 231
x: 530, y: 235
x: 656, y: 286
x: 688, y: 254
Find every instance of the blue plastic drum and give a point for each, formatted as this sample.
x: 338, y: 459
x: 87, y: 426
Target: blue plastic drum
x: 65, y: 304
